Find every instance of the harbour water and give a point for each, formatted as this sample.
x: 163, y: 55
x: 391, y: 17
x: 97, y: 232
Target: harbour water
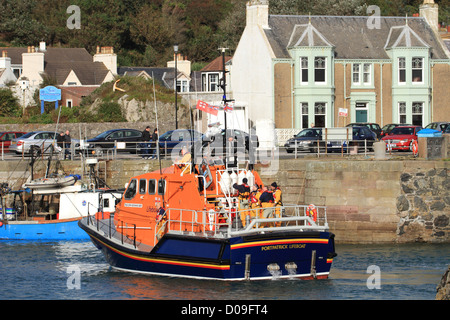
x: 76, y: 270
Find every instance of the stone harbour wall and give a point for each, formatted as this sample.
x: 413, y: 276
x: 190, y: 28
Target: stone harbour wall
x: 372, y: 201
x: 368, y: 201
x: 424, y: 203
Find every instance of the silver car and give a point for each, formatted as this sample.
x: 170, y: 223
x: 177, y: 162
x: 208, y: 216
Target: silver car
x: 36, y: 141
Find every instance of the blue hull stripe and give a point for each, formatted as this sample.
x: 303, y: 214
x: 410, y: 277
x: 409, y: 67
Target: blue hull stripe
x: 65, y: 230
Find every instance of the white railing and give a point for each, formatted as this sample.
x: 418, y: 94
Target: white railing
x: 222, y: 224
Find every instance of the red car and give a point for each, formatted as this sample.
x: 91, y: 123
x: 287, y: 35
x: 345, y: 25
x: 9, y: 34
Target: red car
x: 401, y: 137
x: 6, y: 137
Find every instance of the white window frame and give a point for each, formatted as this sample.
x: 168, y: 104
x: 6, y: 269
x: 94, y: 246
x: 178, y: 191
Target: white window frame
x: 417, y: 65
x: 324, y: 114
x: 69, y: 102
x: 356, y: 79
x: 413, y: 107
x: 182, y: 85
x: 401, y: 63
x: 323, y: 67
x: 303, y: 67
x: 304, y: 111
x: 367, y: 74
x: 402, y: 112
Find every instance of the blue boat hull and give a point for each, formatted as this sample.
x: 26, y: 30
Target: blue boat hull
x: 58, y: 230
x: 236, y: 258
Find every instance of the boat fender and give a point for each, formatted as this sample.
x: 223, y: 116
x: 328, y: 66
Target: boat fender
x: 415, y: 147
x: 212, y: 220
x: 312, y: 212
x: 1, y: 224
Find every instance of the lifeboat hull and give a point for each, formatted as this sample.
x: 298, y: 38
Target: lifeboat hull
x: 306, y: 255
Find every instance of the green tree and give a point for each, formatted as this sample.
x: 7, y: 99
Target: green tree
x: 9, y: 105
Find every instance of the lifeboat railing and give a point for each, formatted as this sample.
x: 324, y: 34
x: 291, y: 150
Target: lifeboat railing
x: 221, y: 224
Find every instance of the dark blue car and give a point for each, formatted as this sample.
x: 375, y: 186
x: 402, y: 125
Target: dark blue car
x: 110, y: 138
x: 304, y: 140
x: 362, y: 136
x: 177, y: 139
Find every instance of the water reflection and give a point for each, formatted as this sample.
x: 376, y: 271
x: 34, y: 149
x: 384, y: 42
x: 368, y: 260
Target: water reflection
x: 38, y: 270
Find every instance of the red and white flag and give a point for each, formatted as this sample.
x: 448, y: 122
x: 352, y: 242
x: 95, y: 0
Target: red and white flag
x: 203, y: 106
x: 228, y: 107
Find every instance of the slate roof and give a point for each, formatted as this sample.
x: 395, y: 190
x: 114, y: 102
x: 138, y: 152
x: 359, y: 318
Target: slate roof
x: 58, y: 62
x: 89, y: 73
x: 350, y: 35
x: 51, y: 54
x: 216, y: 64
x: 160, y: 74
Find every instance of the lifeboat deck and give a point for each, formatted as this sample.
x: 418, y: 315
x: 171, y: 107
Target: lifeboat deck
x: 214, y: 225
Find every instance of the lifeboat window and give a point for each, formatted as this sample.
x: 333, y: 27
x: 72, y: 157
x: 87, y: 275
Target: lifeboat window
x: 142, y: 186
x: 151, y: 186
x: 131, y: 190
x: 161, y: 186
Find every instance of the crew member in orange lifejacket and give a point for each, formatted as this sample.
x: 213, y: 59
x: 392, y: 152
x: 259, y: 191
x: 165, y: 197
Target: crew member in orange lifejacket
x: 266, y: 200
x: 254, y: 202
x: 243, y: 196
x: 277, y: 198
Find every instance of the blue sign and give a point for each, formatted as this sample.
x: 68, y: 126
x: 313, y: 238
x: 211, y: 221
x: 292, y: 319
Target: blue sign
x: 49, y: 94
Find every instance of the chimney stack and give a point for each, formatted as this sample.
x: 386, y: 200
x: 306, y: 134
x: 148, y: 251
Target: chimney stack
x: 430, y: 11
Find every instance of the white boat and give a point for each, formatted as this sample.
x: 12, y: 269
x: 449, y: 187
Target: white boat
x: 53, y: 182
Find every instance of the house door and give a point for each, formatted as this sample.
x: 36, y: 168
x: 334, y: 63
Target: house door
x: 361, y: 112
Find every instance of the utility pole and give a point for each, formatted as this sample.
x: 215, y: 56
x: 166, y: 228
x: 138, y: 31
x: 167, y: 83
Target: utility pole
x: 175, y: 49
x: 223, y: 84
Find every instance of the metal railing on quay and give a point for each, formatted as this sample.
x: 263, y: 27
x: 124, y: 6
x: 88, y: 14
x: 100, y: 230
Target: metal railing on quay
x: 323, y: 147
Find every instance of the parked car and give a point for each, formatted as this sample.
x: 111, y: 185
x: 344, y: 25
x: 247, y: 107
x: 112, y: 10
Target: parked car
x: 447, y: 130
x: 440, y: 126
x: 107, y: 140
x: 401, y: 137
x: 6, y: 138
x: 375, y: 127
x: 303, y: 140
x: 35, y: 142
x: 244, y: 140
x: 388, y: 128
x: 179, y: 137
x: 361, y: 137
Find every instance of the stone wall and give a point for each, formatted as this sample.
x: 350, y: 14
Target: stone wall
x: 373, y: 201
x: 424, y: 203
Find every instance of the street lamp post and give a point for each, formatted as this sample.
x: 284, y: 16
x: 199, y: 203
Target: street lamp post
x: 175, y: 49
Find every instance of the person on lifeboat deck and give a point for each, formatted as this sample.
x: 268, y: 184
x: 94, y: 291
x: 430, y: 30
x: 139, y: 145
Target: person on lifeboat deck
x: 185, y: 158
x: 266, y: 200
x: 254, y: 202
x: 277, y: 198
x: 243, y: 196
